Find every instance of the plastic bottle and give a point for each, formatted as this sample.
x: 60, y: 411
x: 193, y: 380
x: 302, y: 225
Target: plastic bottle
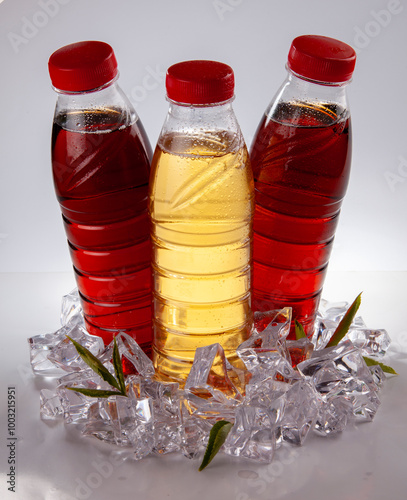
x: 201, y: 206
x: 101, y: 166
x: 301, y: 156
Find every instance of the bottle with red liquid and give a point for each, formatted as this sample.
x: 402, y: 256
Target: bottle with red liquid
x: 101, y: 163
x: 301, y: 157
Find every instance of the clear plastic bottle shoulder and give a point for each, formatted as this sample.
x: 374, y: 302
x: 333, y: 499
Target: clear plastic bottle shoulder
x: 95, y: 121
x: 306, y: 113
x: 195, y: 144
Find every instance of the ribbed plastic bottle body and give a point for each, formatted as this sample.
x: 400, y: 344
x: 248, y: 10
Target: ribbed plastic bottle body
x: 201, y: 208
x: 101, y: 165
x: 301, y: 156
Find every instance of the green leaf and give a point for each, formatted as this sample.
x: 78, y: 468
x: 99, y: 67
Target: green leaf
x: 118, y: 368
x: 385, y: 368
x: 299, y: 330
x: 95, y: 364
x: 343, y: 327
x: 95, y: 393
x: 217, y: 437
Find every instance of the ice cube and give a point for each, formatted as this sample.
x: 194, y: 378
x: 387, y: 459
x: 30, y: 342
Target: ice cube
x: 98, y: 423
x: 266, y: 393
x: 207, y: 409
x: 265, y: 353
x: 333, y: 416
x: 40, y: 347
x: 371, y: 342
x: 299, y: 350
x: 378, y: 375
x: 133, y: 358
x: 76, y: 406
x: 253, y: 434
x: 363, y: 394
x: 261, y: 320
x: 342, y: 371
x: 333, y: 311
x: 65, y: 354
x: 208, y: 377
x: 302, y: 405
x: 324, y: 330
x: 125, y: 421
x: 71, y: 309
x: 167, y: 414
x: 132, y: 420
x: 50, y: 405
x: 277, y: 328
x: 328, y: 318
x: 194, y: 435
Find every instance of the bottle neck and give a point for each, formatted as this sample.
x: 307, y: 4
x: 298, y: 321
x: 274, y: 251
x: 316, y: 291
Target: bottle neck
x: 299, y: 91
x: 106, y: 108
x: 205, y: 125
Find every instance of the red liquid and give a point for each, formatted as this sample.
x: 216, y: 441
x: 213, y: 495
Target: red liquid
x: 301, y: 164
x: 101, y: 181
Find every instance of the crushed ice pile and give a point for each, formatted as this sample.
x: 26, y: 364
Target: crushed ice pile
x: 283, y: 390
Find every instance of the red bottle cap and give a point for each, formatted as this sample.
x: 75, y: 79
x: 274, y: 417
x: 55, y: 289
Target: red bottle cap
x: 82, y: 66
x: 321, y: 58
x: 200, y: 82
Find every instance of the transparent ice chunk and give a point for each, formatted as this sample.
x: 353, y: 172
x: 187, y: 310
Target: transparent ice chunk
x: 301, y: 410
x: 124, y: 421
x: 40, y: 347
x: 328, y: 318
x: 371, y: 342
x: 132, y: 420
x: 333, y: 311
x: 71, y: 309
x: 342, y: 371
x: 261, y: 320
x: 75, y: 405
x: 299, y: 350
x: 265, y: 353
x: 209, y: 377
x: 194, y: 435
x: 378, y: 375
x: 345, y: 357
x: 50, y: 405
x: 65, y: 355
x: 274, y: 325
x: 333, y: 416
x: 167, y: 415
x: 133, y: 386
x: 270, y: 395
x: 266, y: 392
x: 252, y: 435
x: 365, y: 405
x: 197, y: 418
x: 207, y: 409
x: 167, y: 436
x: 324, y: 329
x: 134, y: 360
x: 98, y: 423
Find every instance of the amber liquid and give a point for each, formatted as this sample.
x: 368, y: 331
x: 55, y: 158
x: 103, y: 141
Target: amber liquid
x: 101, y: 177
x: 301, y: 164
x: 201, y: 207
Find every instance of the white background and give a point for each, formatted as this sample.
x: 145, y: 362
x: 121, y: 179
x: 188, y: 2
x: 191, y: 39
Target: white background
x: 253, y: 36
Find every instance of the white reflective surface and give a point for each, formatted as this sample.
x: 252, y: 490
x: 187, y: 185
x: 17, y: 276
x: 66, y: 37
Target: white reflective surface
x: 367, y: 462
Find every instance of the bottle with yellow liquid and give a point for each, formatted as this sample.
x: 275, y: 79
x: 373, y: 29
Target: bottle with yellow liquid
x: 201, y: 205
